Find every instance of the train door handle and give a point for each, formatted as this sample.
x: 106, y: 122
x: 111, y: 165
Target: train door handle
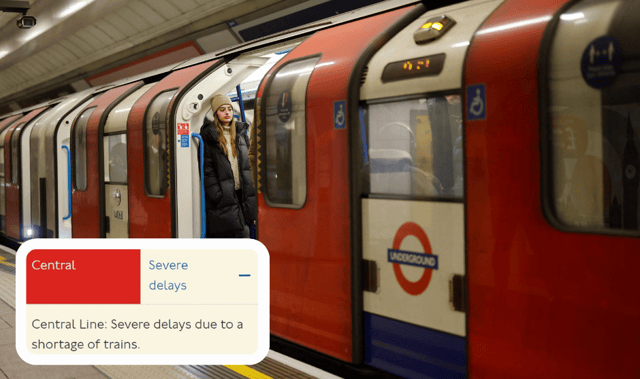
x: 458, y: 293
x: 370, y: 276
x: 66, y: 148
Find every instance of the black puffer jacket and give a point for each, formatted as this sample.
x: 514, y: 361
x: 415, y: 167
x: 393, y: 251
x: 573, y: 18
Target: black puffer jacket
x: 223, y: 209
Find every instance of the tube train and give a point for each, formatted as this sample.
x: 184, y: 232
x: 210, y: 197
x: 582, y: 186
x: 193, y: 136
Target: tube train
x: 443, y: 192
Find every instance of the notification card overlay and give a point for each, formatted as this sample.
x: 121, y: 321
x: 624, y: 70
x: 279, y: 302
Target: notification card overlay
x: 142, y: 301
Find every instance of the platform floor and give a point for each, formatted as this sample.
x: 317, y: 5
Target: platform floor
x: 274, y: 366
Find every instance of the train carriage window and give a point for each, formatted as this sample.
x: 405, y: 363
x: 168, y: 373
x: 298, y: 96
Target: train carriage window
x: 593, y: 121
x: 115, y: 162
x: 285, y: 96
x: 156, y: 157
x: 13, y: 148
x: 413, y: 147
x: 80, y: 149
x: 2, y: 193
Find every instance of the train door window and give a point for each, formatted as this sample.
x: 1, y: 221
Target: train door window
x: 156, y: 157
x: 13, y: 148
x: 413, y: 147
x: 80, y: 149
x: 115, y: 162
x: 285, y: 96
x: 593, y: 120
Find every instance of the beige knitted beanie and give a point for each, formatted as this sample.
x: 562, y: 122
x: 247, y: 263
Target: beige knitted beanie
x: 218, y: 101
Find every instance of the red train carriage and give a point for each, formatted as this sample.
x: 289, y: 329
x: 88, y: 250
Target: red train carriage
x: 549, y: 167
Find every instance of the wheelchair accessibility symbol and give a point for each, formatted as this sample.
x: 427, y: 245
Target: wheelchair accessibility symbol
x: 339, y: 114
x: 476, y: 102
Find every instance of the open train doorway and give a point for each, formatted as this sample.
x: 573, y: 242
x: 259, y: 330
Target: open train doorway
x: 239, y: 79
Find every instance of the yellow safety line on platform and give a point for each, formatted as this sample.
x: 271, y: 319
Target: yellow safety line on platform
x: 2, y: 261
x: 248, y: 372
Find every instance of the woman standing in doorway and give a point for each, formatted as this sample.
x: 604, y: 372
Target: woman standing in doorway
x: 230, y: 195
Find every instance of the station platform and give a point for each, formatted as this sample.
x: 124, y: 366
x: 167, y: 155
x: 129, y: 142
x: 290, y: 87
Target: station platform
x: 275, y: 365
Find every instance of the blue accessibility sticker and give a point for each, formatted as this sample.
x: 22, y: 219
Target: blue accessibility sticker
x: 184, y: 141
x: 476, y: 102
x: 285, y: 106
x: 339, y: 114
x: 601, y: 62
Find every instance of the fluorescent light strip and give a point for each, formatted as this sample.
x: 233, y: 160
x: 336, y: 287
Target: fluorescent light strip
x: 517, y: 24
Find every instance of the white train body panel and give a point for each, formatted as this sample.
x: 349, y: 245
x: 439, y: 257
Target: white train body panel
x: 63, y: 139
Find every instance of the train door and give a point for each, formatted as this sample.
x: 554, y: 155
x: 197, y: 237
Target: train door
x: 34, y: 200
x: 13, y: 187
x: 408, y: 176
x: 245, y: 93
x: 114, y: 151
x: 193, y: 110
x: 44, y: 194
x: 88, y: 219
x: 62, y: 161
x: 4, y: 125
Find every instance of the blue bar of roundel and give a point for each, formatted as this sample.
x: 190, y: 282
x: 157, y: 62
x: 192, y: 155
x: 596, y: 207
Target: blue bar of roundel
x: 411, y: 351
x: 411, y: 253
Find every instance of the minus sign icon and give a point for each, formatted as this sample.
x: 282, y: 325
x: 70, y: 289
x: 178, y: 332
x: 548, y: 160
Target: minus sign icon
x: 245, y: 274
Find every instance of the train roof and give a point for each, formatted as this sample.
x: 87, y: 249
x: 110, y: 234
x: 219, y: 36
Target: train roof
x: 269, y: 41
x: 302, y: 30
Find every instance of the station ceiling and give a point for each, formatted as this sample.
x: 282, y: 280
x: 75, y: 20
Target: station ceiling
x: 74, y: 39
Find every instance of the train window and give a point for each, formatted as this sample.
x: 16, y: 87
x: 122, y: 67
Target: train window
x: 2, y: 162
x: 593, y: 121
x: 414, y: 147
x: 3, y: 225
x: 80, y: 149
x: 285, y: 96
x: 156, y: 157
x: 2, y: 193
x: 115, y: 160
x: 13, y: 148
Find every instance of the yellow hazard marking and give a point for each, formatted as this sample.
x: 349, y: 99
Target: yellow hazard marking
x: 248, y: 372
x: 2, y: 261
x: 259, y: 162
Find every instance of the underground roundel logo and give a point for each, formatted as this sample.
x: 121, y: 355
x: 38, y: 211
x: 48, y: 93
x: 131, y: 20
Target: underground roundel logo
x: 426, y: 260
